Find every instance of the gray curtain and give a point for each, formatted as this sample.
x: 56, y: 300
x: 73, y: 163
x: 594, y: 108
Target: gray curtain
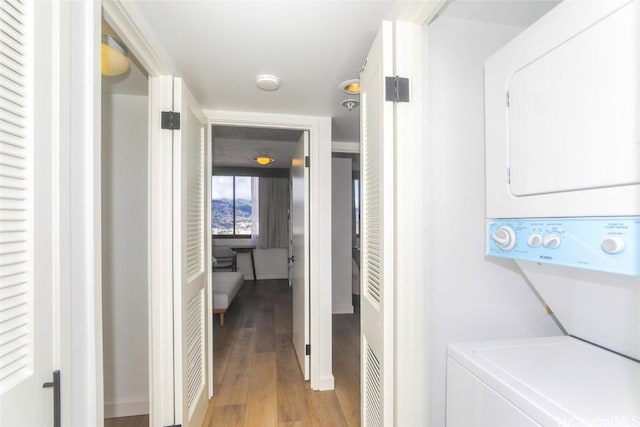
x: 274, y: 220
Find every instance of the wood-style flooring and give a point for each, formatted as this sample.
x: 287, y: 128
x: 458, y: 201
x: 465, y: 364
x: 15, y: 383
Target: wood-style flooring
x: 257, y: 378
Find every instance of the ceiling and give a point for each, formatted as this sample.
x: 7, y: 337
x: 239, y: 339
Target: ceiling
x: 219, y: 47
x: 237, y: 146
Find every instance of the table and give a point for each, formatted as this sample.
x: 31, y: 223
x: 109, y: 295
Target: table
x: 244, y: 249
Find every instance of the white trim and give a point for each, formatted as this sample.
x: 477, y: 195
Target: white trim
x: 411, y: 328
x: 126, y: 409
x: 320, y: 289
x: 411, y: 321
x: 80, y: 214
x: 160, y: 267
x: 122, y: 19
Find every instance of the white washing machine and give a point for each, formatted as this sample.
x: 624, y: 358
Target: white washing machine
x: 562, y: 111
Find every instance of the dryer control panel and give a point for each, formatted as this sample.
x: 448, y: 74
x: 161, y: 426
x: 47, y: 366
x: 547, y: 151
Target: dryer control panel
x: 610, y: 244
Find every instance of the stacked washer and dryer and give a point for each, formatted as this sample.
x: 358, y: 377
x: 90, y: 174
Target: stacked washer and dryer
x: 562, y: 111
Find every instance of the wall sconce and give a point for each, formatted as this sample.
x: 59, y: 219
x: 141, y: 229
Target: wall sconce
x: 113, y: 56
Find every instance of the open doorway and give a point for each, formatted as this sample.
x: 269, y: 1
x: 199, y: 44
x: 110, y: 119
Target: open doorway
x: 124, y: 103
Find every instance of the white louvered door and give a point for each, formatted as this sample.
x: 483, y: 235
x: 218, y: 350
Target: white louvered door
x: 190, y: 252
x: 377, y: 159
x: 27, y: 219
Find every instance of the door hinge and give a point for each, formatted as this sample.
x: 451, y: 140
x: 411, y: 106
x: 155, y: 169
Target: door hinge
x: 508, y: 101
x: 364, y: 65
x: 397, y: 89
x: 170, y: 120
x: 307, y: 350
x: 508, y: 175
x: 307, y: 161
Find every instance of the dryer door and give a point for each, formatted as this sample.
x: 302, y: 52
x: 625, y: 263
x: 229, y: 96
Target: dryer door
x: 562, y: 115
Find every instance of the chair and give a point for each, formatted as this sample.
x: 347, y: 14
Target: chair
x: 225, y: 259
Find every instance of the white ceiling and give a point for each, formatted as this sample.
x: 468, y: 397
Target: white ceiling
x: 220, y: 46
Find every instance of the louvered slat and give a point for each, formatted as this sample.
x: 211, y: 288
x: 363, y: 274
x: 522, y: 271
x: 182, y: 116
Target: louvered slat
x: 195, y: 342
x: 373, y: 389
x: 372, y: 224
x: 16, y: 195
x: 195, y: 204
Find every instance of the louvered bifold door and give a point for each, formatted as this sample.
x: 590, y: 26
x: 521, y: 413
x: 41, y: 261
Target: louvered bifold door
x: 16, y: 198
x: 27, y: 219
x: 377, y: 235
x: 190, y: 297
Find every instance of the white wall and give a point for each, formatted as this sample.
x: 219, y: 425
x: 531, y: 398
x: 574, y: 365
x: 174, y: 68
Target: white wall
x: 470, y: 297
x: 341, y: 206
x: 124, y: 249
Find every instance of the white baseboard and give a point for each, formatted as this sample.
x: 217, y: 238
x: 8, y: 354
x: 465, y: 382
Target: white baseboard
x: 344, y: 309
x: 325, y: 383
x: 125, y: 409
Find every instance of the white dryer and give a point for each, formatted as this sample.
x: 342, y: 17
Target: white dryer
x: 562, y: 111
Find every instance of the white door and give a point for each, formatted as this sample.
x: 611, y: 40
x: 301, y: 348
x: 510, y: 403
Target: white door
x: 300, y: 261
x: 28, y: 188
x: 190, y: 255
x: 377, y: 234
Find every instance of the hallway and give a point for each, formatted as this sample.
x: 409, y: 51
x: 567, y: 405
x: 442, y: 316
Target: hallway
x: 256, y: 374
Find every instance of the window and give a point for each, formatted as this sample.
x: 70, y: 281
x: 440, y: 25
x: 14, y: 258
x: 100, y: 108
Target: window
x: 232, y: 206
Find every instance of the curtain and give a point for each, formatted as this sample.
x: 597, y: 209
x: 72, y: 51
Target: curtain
x: 255, y: 209
x: 273, y: 213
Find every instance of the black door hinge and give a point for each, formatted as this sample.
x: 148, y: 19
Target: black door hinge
x: 307, y: 349
x: 397, y: 89
x: 307, y: 161
x: 170, y: 120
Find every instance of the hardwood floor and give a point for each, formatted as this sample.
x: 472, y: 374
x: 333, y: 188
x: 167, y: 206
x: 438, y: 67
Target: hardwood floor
x: 256, y: 372
x: 257, y: 378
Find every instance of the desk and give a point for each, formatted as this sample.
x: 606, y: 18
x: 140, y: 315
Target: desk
x: 249, y: 249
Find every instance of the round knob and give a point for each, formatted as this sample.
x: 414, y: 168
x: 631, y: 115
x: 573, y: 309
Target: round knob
x: 505, y: 238
x: 551, y: 241
x: 612, y: 245
x: 534, y: 240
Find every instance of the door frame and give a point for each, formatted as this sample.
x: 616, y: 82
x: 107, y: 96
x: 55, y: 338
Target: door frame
x: 320, y: 221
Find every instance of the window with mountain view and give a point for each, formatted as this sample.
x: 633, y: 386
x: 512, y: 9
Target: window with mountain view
x: 231, y: 207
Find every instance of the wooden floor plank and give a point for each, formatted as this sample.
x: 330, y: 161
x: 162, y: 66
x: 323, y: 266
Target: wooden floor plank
x: 235, y: 381
x: 227, y: 416
x: 262, y: 405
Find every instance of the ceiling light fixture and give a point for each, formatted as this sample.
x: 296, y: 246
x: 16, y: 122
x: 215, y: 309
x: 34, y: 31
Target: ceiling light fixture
x: 113, y: 57
x: 350, y: 104
x: 263, y: 159
x: 268, y: 82
x: 351, y: 87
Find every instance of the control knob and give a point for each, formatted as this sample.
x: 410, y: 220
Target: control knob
x: 534, y: 240
x: 612, y: 245
x: 505, y: 238
x: 551, y: 241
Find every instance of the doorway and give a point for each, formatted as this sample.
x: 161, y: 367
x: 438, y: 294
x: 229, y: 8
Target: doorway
x: 124, y: 102
x: 321, y: 377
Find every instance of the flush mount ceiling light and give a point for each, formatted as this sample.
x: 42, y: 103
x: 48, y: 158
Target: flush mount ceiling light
x: 350, y: 104
x: 113, y: 56
x: 268, y: 82
x: 351, y: 87
x: 263, y: 159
